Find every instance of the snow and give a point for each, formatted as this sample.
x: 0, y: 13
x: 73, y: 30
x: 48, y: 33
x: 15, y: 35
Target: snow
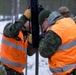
x: 43, y: 62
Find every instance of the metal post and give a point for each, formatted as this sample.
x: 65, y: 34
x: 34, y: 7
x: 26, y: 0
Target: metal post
x: 35, y: 30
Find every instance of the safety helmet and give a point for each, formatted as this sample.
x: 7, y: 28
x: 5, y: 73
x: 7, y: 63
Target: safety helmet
x: 53, y: 17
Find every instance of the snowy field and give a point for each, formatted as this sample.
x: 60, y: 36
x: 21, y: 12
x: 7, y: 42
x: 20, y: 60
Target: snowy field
x: 43, y: 65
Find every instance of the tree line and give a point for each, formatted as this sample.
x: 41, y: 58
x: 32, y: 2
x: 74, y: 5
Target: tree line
x: 9, y: 7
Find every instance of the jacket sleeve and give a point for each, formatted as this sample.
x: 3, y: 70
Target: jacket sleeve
x: 49, y: 44
x: 12, y: 29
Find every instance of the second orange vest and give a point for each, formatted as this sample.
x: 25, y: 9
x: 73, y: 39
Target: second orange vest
x: 64, y: 59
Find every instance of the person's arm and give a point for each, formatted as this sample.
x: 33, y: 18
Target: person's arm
x: 49, y: 44
x: 12, y: 29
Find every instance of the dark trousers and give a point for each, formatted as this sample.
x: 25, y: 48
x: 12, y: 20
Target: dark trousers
x: 11, y: 71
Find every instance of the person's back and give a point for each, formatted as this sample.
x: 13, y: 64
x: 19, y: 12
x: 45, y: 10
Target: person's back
x: 65, y: 54
x: 58, y: 44
x: 15, y: 47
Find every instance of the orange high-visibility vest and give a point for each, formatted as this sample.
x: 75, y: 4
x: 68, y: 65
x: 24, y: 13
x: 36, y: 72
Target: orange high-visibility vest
x: 64, y: 59
x: 13, y: 52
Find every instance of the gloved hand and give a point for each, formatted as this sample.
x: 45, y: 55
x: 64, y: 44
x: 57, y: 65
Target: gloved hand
x: 30, y: 38
x: 27, y: 13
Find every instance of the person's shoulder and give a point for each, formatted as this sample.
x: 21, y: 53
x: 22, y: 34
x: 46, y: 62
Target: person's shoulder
x: 8, y: 24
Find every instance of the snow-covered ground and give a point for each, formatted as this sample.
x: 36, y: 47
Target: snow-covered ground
x: 43, y: 65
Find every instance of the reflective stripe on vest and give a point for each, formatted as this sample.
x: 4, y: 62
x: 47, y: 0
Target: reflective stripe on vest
x: 18, y: 47
x: 12, y: 63
x: 67, y: 46
x: 63, y: 69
